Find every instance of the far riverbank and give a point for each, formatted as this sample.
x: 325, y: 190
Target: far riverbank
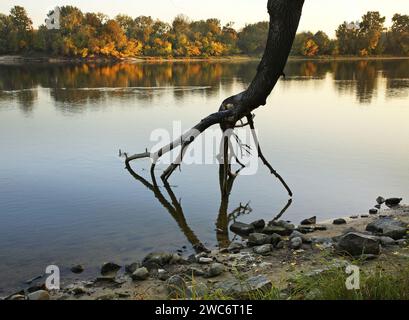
x: 20, y: 59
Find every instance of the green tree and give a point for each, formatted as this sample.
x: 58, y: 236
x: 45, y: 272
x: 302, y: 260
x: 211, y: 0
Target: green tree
x: 400, y: 34
x: 253, y: 37
x: 229, y: 37
x: 21, y: 32
x: 5, y: 26
x: 347, y: 37
x: 325, y: 46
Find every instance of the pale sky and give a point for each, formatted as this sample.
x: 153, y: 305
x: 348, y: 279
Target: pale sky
x: 323, y: 15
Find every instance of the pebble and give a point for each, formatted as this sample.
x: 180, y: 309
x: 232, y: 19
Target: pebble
x: 77, y: 269
x: 39, y: 295
x: 204, y: 260
x: 109, y: 267
x: 216, y: 269
x: 339, y: 221
x: 140, y: 274
x: 296, y: 243
x: 264, y: 249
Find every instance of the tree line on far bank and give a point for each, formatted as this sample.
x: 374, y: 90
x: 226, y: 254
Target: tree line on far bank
x: 88, y: 35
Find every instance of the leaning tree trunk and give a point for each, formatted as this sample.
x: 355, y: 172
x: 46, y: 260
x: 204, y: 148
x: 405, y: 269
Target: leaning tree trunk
x: 284, y: 20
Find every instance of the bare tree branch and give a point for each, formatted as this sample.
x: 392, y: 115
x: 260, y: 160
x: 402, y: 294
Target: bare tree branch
x: 284, y: 20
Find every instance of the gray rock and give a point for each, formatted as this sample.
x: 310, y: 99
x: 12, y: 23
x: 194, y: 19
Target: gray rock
x: 281, y: 228
x: 306, y: 229
x: 196, y: 272
x: 284, y: 224
x: 387, y: 241
x: 402, y: 242
x: 280, y: 245
x: 296, y: 243
x: 380, y: 200
x: 320, y: 228
x: 163, y: 275
x: 393, y: 202
x: 131, y: 268
x: 176, y: 259
x: 388, y: 227
x: 357, y: 244
x: 258, y: 239
x: 276, y: 230
x: 39, y: 295
x: 140, y: 274
x: 354, y: 217
x: 242, y: 288
x: 364, y: 215
x: 274, y: 239
x: 378, y: 206
x: 242, y: 229
x: 106, y: 280
x: 339, y: 221
x: 204, y: 260
x: 36, y: 288
x: 17, y: 297
x: 109, y: 268
x: 259, y: 224
x: 176, y: 287
x: 77, y: 269
x: 264, y: 249
x: 297, y: 234
x: 79, y: 290
x: 200, y: 255
x: 157, y: 260
x: 235, y: 247
x: 373, y: 211
x: 215, y: 270
x: 310, y: 221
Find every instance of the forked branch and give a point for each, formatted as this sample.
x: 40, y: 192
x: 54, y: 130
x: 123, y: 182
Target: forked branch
x: 284, y: 20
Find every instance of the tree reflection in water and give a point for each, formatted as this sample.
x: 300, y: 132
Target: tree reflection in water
x: 224, y: 218
x: 74, y: 86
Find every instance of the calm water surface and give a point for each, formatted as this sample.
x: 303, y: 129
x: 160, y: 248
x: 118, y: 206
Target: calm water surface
x: 337, y: 131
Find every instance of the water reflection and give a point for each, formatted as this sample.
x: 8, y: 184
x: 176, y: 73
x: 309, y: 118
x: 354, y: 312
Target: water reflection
x: 74, y: 85
x: 224, y: 218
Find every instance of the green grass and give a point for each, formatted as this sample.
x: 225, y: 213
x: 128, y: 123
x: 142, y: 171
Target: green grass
x: 380, y: 282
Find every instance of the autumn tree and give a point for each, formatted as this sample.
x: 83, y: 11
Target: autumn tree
x: 89, y: 35
x: 370, y: 32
